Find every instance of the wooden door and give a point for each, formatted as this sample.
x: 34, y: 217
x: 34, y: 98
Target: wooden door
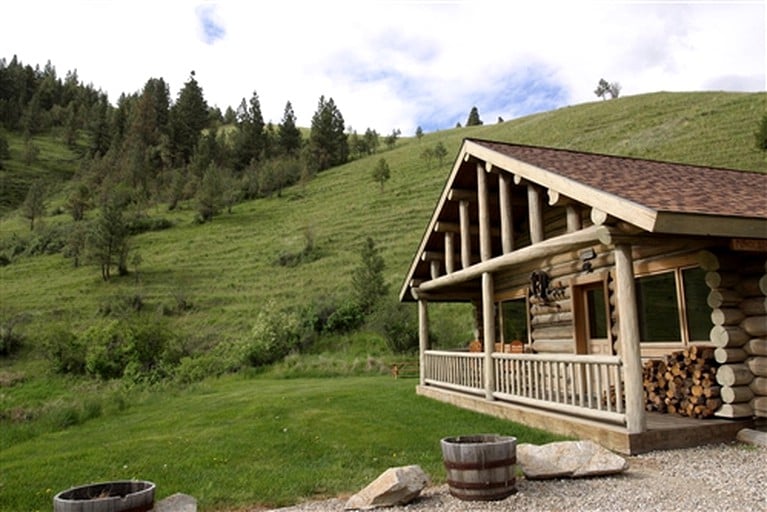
x: 592, y: 326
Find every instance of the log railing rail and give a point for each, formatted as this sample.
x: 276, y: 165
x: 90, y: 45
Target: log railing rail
x: 584, y: 385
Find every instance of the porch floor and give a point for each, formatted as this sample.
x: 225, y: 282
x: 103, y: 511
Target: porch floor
x: 664, y: 431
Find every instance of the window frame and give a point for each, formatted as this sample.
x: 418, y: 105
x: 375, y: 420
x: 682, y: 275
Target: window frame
x: 520, y: 294
x: 675, y: 266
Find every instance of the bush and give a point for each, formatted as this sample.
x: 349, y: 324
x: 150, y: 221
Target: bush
x: 398, y: 324
x: 140, y: 350
x: 65, y: 350
x: 346, y: 317
x: 275, y: 334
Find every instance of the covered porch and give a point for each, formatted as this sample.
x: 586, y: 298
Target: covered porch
x: 577, y: 396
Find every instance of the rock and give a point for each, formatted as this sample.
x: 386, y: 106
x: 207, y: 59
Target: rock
x: 395, y: 486
x: 568, y: 459
x: 176, y: 503
x: 751, y: 436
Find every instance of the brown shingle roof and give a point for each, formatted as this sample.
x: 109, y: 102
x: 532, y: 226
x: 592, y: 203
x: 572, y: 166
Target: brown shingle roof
x: 661, y: 186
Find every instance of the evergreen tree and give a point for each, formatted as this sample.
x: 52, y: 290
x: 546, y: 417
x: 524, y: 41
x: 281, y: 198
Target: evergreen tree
x: 440, y: 152
x: 288, y: 134
x: 210, y: 196
x: 368, y: 279
x: 372, y: 141
x: 328, y: 144
x: 381, y: 173
x: 419, y: 133
x: 391, y: 140
x: 760, y: 134
x: 108, y: 239
x: 473, y: 119
x: 251, y: 138
x: 34, y: 203
x: 188, y: 117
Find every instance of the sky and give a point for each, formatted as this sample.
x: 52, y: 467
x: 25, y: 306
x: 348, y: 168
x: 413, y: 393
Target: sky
x: 396, y: 64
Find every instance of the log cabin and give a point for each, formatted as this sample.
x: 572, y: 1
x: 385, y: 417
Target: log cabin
x: 583, y: 269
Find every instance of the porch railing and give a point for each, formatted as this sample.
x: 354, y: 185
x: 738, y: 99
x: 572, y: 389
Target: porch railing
x: 584, y: 385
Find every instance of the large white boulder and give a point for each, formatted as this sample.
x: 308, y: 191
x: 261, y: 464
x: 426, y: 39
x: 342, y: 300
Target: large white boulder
x: 568, y: 459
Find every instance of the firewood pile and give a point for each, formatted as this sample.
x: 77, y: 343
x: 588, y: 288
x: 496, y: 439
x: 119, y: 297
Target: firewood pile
x: 683, y: 383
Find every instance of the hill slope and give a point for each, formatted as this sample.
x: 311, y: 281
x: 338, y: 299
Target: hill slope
x: 227, y: 269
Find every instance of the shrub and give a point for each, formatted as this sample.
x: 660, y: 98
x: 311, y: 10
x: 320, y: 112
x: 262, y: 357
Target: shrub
x: 346, y: 317
x: 10, y: 337
x: 275, y: 334
x: 141, y: 350
x: 398, y: 324
x: 65, y: 351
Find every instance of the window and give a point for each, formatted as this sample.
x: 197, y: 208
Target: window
x: 672, y: 306
x: 513, y: 320
x: 596, y: 311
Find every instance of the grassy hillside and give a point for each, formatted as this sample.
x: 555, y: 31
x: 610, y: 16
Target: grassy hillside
x: 227, y: 268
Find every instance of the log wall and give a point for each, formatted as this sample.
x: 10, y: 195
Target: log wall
x: 738, y: 299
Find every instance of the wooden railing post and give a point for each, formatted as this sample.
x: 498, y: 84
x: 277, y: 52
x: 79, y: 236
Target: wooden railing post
x: 423, y: 338
x: 488, y: 326
x: 628, y: 321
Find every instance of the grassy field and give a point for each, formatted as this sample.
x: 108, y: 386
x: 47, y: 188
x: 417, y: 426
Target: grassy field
x: 246, y: 441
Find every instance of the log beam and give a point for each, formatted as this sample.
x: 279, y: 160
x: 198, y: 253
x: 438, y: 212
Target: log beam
x: 449, y: 253
x: 535, y: 213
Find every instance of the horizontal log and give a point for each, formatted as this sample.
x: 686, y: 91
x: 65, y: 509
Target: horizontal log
x: 716, y: 280
x: 735, y: 411
x: 727, y: 316
x: 759, y: 386
x: 750, y: 286
x: 754, y: 306
x: 552, y: 318
x: 711, y: 261
x: 553, y: 332
x: 757, y: 365
x: 752, y: 436
x: 723, y: 297
x: 737, y: 374
x: 755, y: 325
x: 759, y: 404
x: 728, y: 336
x: 763, y: 283
x: 756, y: 347
x: 730, y: 355
x: 554, y: 346
x: 736, y: 394
x: 559, y: 306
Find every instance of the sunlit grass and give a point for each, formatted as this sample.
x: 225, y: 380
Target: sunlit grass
x: 238, y: 441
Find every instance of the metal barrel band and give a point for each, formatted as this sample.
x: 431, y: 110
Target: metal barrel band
x: 478, y: 486
x: 492, y: 464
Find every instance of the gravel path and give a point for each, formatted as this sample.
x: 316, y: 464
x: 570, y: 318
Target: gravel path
x: 722, y: 477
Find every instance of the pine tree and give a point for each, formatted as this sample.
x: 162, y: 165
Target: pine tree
x: 34, y: 203
x: 288, y: 134
x: 108, y: 240
x: 188, y: 117
x: 368, y: 279
x: 328, y: 144
x: 251, y: 138
x: 381, y: 173
x: 473, y: 119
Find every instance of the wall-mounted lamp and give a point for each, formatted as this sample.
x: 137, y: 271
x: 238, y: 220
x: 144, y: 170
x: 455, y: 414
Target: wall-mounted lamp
x: 585, y: 256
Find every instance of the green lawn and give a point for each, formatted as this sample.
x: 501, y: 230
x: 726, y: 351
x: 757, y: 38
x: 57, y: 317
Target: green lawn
x: 243, y: 441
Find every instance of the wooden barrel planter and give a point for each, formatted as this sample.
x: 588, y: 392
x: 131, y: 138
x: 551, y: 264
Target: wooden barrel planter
x: 119, y: 496
x: 480, y: 467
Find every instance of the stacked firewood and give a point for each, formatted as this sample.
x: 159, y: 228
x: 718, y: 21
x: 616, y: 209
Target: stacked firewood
x: 683, y: 383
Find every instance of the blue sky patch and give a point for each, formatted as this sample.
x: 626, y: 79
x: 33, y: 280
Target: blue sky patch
x: 210, y: 25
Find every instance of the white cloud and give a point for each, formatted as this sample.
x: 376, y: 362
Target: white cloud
x: 397, y: 64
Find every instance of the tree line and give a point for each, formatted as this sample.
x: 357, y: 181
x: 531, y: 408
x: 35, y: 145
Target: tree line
x: 149, y: 148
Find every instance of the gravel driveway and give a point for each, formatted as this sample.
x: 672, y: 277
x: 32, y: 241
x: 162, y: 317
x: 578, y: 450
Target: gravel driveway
x: 713, y: 478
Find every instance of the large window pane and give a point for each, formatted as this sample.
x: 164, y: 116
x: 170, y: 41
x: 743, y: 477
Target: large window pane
x: 657, y: 308
x: 695, y: 298
x: 514, y: 318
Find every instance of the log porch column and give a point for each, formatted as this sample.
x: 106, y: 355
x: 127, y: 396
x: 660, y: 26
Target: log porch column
x: 507, y: 219
x: 535, y: 213
x: 488, y: 326
x: 485, y: 243
x: 628, y: 322
x: 423, y: 338
x: 463, y: 211
x: 449, y: 252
